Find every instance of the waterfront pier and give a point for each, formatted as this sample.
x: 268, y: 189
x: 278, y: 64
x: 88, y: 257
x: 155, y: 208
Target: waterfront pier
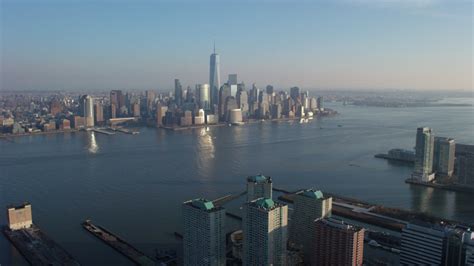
x: 38, y: 248
x: 117, y: 243
x: 102, y: 131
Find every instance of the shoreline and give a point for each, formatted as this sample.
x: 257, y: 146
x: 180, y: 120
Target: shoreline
x: 173, y: 128
x: 7, y: 136
x: 449, y: 187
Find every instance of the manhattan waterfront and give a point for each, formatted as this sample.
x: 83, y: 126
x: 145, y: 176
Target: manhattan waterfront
x: 136, y: 183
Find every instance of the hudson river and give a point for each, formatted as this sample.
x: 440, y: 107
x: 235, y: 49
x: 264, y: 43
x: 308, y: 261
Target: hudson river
x: 134, y: 184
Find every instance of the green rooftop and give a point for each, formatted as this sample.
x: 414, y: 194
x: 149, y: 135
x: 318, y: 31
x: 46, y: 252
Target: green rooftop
x: 203, y: 204
x: 265, y: 203
x: 313, y: 194
x: 257, y: 178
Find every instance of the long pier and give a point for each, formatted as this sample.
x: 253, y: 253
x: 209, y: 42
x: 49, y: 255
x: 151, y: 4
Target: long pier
x: 118, y: 244
x: 38, y: 248
x: 227, y: 198
x: 103, y: 131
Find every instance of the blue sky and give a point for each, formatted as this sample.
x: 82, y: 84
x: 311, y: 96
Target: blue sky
x: 339, y: 44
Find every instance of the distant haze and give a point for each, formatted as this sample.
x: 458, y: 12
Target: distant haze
x: 358, y: 44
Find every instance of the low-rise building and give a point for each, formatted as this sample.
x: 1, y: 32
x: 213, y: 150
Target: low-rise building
x: 19, y: 217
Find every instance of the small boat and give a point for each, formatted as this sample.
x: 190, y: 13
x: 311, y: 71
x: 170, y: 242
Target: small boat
x: 339, y: 125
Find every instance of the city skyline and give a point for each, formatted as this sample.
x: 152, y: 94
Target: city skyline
x: 323, y: 45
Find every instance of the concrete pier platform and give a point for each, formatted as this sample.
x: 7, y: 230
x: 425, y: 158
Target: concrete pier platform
x: 38, y: 248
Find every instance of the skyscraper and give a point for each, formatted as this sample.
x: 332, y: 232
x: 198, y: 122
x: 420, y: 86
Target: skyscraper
x: 423, y: 170
x: 308, y: 206
x: 336, y: 243
x: 242, y: 102
x: 443, y: 161
x: 117, y: 101
x: 204, y: 96
x: 259, y: 186
x: 265, y: 232
x: 214, y: 79
x: 178, y: 92
x: 204, y: 233
x: 295, y: 93
x: 319, y: 102
x: 224, y: 93
x: 88, y: 110
x: 99, y: 113
x: 150, y: 101
x: 160, y: 113
x: 465, y: 164
x: 269, y: 89
x: 232, y: 79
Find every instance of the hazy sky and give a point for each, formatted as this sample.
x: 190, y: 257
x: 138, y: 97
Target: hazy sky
x: 81, y: 44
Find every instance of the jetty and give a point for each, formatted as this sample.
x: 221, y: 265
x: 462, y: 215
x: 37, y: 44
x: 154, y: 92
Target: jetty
x: 38, y: 248
x: 102, y: 131
x: 117, y: 243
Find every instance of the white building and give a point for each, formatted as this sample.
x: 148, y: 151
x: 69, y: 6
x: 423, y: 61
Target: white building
x: 20, y: 217
x: 200, y: 119
x: 89, y: 111
x: 265, y: 232
x: 308, y: 206
x: 204, y: 96
x: 259, y: 186
x: 235, y: 117
x: 204, y: 233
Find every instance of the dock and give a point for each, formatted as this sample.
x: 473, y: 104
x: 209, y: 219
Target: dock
x: 450, y: 186
x: 227, y: 198
x: 391, y: 158
x: 102, y: 131
x: 127, y: 131
x: 38, y: 248
x: 118, y: 244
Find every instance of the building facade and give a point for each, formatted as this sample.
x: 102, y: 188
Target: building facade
x: 336, y: 243
x: 259, y: 186
x: 465, y: 164
x: 178, y: 92
x: 424, y: 151
x: 88, y: 111
x: 204, y: 240
x: 443, y: 158
x: 19, y: 217
x: 204, y: 96
x: 214, y: 79
x: 308, y: 206
x: 265, y: 226
x: 422, y: 244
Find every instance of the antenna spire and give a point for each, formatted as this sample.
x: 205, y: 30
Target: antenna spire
x: 214, y: 46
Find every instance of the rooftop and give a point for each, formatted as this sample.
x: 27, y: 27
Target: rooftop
x: 265, y: 204
x: 340, y: 224
x: 18, y: 207
x: 202, y: 204
x: 259, y: 179
x: 311, y: 193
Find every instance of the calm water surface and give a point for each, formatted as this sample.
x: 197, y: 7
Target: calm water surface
x: 134, y: 184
